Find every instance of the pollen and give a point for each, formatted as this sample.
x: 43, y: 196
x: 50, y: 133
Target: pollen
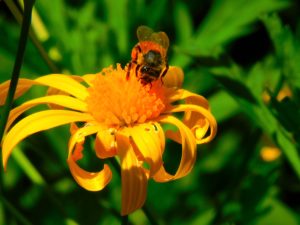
x: 116, y: 101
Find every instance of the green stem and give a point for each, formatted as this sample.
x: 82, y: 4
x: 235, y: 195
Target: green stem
x: 28, y: 5
x: 149, y: 215
x: 125, y: 220
x: 18, y: 16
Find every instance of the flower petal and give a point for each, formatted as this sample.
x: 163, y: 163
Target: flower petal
x: 38, y: 122
x: 22, y: 87
x: 188, y: 156
x: 87, y: 78
x: 105, y: 143
x: 199, y: 120
x: 189, y: 97
x: 60, y: 100
x: 174, y: 77
x: 64, y: 83
x: 148, y: 139
x: 91, y: 181
x: 134, y: 179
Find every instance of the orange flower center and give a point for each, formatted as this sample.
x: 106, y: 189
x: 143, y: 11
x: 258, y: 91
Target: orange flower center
x: 116, y: 101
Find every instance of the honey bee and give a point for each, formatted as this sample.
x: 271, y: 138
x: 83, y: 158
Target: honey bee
x: 149, y: 55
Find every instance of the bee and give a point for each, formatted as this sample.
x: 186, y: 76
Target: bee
x: 149, y: 55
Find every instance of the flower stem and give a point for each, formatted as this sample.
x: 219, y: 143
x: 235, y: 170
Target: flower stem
x: 43, y: 53
x: 125, y: 220
x: 150, y: 216
x: 28, y: 5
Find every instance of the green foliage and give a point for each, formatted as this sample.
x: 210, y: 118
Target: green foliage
x: 232, y: 181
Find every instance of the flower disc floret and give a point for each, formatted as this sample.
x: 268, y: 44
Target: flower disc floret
x: 117, y: 101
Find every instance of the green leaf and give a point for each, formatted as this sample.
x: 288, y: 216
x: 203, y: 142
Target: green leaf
x: 223, y: 106
x: 204, y: 218
x: 279, y: 214
x: 263, y: 118
x: 157, y: 10
x: 237, y: 89
x: 226, y: 21
x: 288, y: 113
x: 118, y: 20
x: 287, y: 48
x: 183, y: 22
x: 227, y: 146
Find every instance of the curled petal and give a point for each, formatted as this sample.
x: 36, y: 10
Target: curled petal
x: 188, y: 156
x: 91, y: 181
x: 149, y: 140
x: 189, y: 97
x: 78, y: 149
x: 105, y: 143
x: 174, y: 77
x: 134, y: 178
x: 35, y: 123
x: 199, y: 120
x: 60, y: 100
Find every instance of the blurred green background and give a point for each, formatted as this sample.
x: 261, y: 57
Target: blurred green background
x: 244, y: 56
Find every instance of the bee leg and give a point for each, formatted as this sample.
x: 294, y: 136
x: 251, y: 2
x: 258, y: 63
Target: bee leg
x: 164, y: 73
x: 137, y: 69
x: 128, y: 70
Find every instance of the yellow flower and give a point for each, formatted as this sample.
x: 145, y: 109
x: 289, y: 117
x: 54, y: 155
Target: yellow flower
x: 125, y: 117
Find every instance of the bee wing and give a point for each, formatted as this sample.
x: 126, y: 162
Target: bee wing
x: 145, y: 33
x: 160, y: 38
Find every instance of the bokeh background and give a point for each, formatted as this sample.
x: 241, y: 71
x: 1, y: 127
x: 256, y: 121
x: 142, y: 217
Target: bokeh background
x: 244, y: 56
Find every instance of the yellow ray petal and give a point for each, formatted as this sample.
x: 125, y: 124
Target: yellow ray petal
x: 54, y: 91
x: 148, y: 139
x: 91, y: 181
x: 87, y: 78
x: 199, y: 120
x: 189, y: 97
x: 134, y: 179
x: 64, y: 83
x: 61, y: 100
x: 188, y: 156
x: 38, y: 122
x: 23, y: 86
x: 105, y: 143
